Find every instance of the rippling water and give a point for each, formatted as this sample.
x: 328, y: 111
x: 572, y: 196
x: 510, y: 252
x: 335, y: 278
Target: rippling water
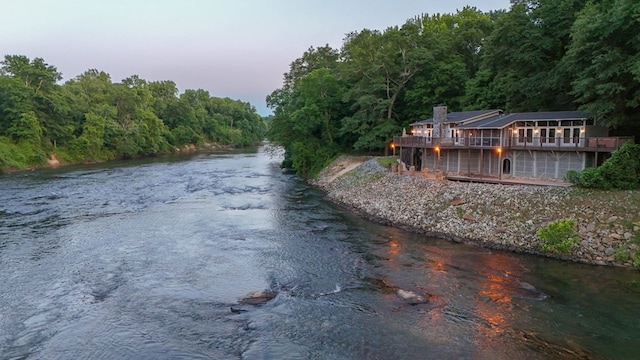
x: 149, y: 259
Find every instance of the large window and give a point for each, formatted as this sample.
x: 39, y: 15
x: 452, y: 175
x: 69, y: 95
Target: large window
x: 525, y: 136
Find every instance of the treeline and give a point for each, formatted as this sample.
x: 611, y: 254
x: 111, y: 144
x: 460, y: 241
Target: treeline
x: 91, y: 118
x: 540, y: 55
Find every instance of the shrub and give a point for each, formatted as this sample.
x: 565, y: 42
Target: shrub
x: 573, y: 177
x: 620, y: 171
x: 387, y: 162
x: 559, y: 236
x: 10, y: 155
x: 592, y: 178
x: 622, y: 255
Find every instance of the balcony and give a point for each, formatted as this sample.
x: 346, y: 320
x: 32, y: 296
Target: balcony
x: 595, y: 144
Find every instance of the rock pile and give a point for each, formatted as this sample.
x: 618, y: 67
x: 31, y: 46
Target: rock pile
x: 492, y: 215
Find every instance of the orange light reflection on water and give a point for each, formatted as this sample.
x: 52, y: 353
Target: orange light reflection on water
x: 494, y: 301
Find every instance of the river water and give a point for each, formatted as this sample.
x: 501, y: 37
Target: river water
x: 148, y: 259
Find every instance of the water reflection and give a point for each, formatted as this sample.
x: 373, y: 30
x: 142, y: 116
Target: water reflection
x: 147, y: 261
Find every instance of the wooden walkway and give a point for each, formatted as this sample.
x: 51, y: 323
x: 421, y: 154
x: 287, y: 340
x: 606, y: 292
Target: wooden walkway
x: 509, y: 181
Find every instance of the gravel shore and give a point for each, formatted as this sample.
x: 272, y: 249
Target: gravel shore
x: 490, y: 215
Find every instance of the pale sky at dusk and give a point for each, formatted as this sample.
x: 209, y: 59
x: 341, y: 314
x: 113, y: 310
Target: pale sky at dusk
x: 238, y: 49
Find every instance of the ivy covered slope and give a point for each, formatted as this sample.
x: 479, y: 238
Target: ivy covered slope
x: 540, y: 55
x: 91, y: 118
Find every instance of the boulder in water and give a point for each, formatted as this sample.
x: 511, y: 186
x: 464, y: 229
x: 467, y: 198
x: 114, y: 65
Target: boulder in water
x: 411, y: 297
x: 258, y: 297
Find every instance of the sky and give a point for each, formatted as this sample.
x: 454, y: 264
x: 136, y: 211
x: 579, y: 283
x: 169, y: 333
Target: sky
x: 234, y: 48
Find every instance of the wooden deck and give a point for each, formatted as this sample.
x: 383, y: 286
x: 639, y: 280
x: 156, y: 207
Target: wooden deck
x: 487, y: 179
x: 508, y: 181
x: 591, y: 144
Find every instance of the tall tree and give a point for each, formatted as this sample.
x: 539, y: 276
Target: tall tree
x: 455, y: 43
x: 604, y: 59
x: 304, y: 120
x: 381, y: 65
x: 44, y: 99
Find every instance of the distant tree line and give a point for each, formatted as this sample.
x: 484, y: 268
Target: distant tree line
x: 540, y: 55
x: 91, y: 118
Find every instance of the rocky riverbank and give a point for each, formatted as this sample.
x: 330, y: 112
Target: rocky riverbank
x: 490, y: 215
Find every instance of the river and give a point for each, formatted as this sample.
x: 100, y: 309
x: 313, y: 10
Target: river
x: 148, y: 259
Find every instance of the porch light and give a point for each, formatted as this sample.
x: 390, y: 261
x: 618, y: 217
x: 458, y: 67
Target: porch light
x: 499, y: 163
x: 582, y: 131
x: 437, y: 149
x: 558, y: 131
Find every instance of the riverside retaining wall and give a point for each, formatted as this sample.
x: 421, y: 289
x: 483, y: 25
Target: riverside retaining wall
x: 490, y: 215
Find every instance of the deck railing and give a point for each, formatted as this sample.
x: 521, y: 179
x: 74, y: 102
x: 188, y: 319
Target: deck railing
x: 607, y: 143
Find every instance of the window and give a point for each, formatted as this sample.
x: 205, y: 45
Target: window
x: 576, y: 135
x: 566, y: 135
x: 543, y: 136
x: 525, y: 135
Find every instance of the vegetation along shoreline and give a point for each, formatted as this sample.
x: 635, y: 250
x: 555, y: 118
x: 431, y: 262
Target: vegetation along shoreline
x: 598, y: 227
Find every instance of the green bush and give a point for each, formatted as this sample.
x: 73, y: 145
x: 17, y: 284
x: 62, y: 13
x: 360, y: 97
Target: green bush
x: 572, y: 176
x: 592, y: 178
x: 620, y: 171
x: 622, y: 254
x: 11, y: 157
x: 387, y: 162
x: 559, y: 236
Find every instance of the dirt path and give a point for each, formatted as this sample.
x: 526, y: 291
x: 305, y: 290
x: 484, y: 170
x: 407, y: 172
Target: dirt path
x: 341, y: 166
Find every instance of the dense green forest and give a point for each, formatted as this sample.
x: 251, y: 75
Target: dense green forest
x: 91, y: 118
x: 540, y: 55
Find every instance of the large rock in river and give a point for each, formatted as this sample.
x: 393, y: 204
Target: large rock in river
x: 258, y: 297
x: 411, y: 297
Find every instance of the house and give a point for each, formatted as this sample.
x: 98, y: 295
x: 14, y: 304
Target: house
x: 490, y: 143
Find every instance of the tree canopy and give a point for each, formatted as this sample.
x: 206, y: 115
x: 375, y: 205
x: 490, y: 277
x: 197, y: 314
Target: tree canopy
x: 92, y: 118
x: 540, y: 55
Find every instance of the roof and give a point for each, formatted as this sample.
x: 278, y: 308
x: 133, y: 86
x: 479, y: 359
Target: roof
x: 500, y: 121
x: 461, y: 116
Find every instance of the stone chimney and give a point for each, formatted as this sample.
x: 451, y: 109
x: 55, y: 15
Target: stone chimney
x: 439, y: 117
